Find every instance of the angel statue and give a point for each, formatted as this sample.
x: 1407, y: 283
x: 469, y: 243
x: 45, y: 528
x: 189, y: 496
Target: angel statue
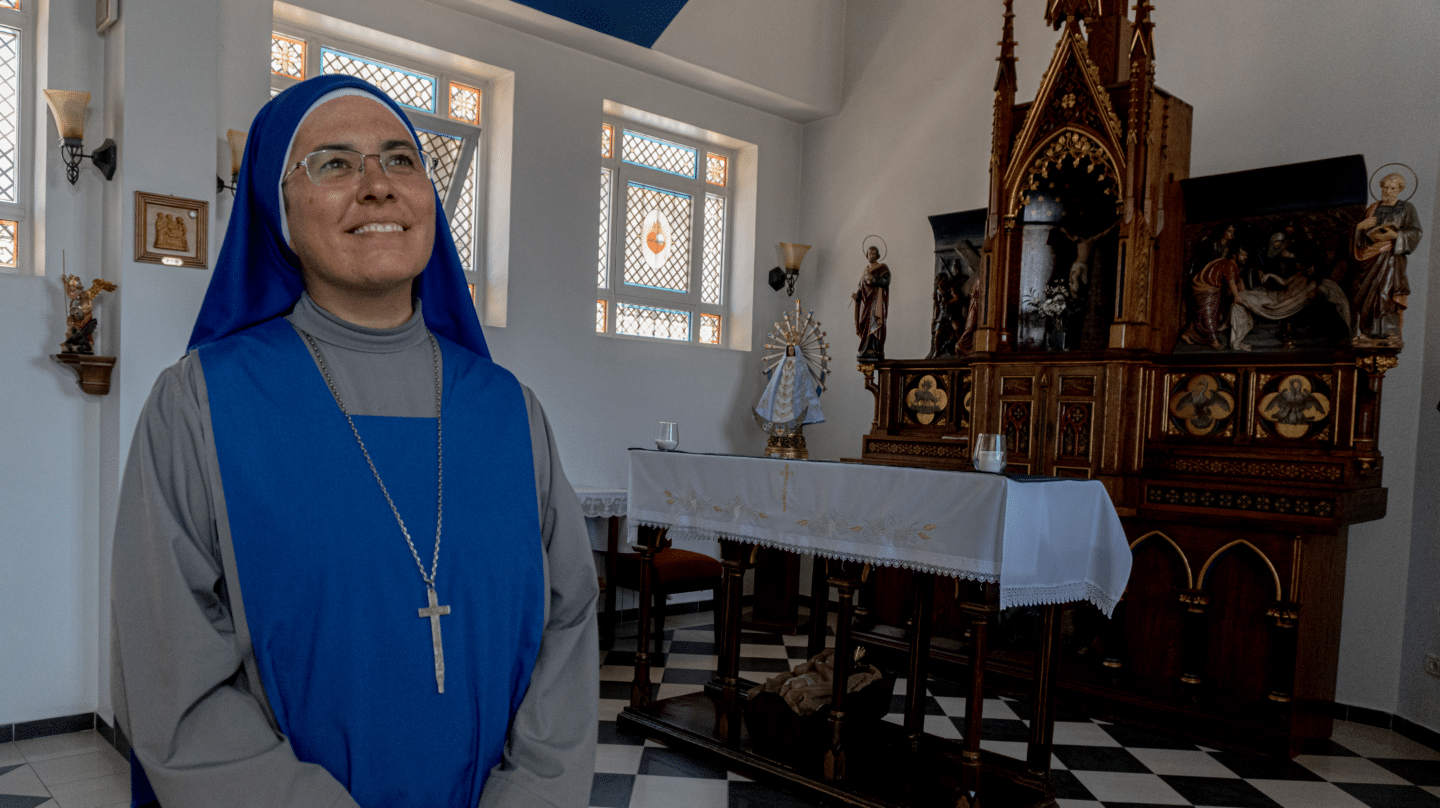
x: 796, y: 373
x: 80, y: 322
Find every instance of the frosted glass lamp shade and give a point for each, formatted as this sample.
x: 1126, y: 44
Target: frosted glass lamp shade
x: 237, y: 149
x: 794, y: 254
x: 68, y: 107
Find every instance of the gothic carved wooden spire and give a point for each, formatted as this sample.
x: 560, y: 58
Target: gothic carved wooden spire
x: 1056, y: 11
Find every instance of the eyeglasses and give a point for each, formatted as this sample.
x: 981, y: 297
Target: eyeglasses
x: 338, y: 166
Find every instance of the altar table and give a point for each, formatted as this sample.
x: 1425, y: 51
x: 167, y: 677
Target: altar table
x: 1010, y: 541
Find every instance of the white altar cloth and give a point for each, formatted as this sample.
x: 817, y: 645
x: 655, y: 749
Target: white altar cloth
x: 1054, y: 541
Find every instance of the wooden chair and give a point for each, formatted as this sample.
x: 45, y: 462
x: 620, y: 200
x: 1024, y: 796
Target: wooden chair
x: 675, y: 571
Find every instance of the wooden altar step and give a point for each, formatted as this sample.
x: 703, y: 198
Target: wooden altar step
x: 883, y: 772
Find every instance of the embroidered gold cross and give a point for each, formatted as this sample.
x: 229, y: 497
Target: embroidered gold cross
x: 784, y: 487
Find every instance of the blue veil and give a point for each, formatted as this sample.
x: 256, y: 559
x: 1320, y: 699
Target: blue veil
x: 257, y: 276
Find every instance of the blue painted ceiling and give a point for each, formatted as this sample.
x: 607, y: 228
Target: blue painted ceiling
x: 638, y: 21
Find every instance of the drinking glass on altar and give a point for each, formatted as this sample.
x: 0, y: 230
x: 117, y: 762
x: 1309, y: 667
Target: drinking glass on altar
x: 989, y: 453
x: 669, y: 436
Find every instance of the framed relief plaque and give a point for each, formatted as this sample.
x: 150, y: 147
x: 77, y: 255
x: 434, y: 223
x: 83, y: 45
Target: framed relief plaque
x: 172, y: 231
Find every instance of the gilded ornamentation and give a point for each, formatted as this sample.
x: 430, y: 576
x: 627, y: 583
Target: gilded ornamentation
x: 927, y: 401
x: 957, y: 451
x: 1377, y: 365
x: 1268, y: 469
x: 1317, y: 507
x: 1075, y: 430
x: 1294, y: 407
x: 1201, y: 405
x: 1015, y: 425
x: 1079, y: 150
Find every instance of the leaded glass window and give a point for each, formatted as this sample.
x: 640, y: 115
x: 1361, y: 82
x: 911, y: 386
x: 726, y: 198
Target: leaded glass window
x: 287, y: 56
x: 657, y: 238
x: 9, y: 242
x: 603, y: 274
x: 652, y: 321
x: 406, y: 87
x: 661, y: 246
x: 710, y: 329
x: 444, y: 151
x: 13, y: 4
x: 9, y: 116
x: 465, y: 103
x: 713, y: 271
x: 717, y: 167
x: 652, y: 152
x: 462, y: 223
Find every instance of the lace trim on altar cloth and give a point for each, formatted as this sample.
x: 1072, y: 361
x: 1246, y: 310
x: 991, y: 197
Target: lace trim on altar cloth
x: 597, y: 506
x: 1072, y: 592
x: 685, y: 533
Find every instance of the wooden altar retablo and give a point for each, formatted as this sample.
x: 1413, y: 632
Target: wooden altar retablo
x: 1236, y: 462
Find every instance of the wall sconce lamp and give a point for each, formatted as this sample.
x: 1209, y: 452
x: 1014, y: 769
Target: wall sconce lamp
x: 237, y: 149
x: 793, y: 254
x: 68, y: 109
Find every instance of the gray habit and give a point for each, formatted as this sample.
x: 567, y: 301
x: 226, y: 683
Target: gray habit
x: 184, y: 679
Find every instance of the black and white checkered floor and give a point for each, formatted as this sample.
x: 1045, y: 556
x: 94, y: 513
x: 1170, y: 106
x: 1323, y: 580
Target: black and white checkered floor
x: 1095, y: 764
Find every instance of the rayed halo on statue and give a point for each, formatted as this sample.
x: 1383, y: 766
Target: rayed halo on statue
x: 866, y: 245
x: 800, y: 331
x: 1411, y: 182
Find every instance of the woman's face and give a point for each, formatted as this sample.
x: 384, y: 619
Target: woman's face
x: 366, y: 237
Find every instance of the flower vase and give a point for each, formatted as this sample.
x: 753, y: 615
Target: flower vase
x: 1054, y: 333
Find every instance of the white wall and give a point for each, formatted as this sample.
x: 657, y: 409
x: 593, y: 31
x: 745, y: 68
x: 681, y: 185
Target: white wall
x: 1271, y: 83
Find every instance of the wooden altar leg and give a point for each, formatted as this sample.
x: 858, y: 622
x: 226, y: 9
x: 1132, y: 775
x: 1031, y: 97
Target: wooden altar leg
x: 819, y: 607
x: 843, y: 578
x: 735, y: 558
x: 917, y: 675
x: 1042, y: 719
x: 650, y: 539
x: 974, y: 707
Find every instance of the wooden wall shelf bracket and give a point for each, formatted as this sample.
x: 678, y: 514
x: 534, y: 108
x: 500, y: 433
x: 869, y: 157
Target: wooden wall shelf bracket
x: 92, y: 372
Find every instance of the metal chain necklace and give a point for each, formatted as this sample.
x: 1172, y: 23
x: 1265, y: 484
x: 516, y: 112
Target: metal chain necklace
x: 434, y: 610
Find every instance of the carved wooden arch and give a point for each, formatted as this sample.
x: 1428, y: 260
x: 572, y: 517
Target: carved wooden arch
x: 1072, y: 143
x: 1189, y: 575
x: 1215, y: 556
x: 1071, y: 44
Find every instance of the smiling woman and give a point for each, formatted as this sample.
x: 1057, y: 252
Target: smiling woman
x: 286, y: 633
x: 362, y: 236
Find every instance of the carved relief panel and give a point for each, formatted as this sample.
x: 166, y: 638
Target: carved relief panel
x: 1294, y: 406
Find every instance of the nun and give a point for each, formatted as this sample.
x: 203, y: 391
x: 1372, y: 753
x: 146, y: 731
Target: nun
x: 348, y: 568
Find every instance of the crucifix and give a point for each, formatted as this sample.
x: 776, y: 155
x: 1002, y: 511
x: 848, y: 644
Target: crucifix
x: 433, y: 611
x: 784, y: 487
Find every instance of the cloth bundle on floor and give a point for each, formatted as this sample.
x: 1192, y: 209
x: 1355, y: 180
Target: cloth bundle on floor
x: 811, y: 684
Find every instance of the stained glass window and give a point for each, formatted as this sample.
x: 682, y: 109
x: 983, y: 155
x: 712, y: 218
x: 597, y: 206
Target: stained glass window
x: 15, y: 4
x: 9, y: 242
x: 657, y: 238
x: 607, y: 141
x: 716, y: 168
x: 444, y: 151
x: 287, y: 56
x: 662, y: 155
x: 710, y: 329
x: 9, y: 116
x: 602, y: 272
x: 464, y: 103
x: 600, y: 317
x: 472, y: 291
x: 406, y: 87
x: 651, y: 321
x: 714, y: 262
x: 462, y: 224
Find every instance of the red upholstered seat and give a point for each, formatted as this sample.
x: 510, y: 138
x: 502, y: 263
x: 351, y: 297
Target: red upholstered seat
x: 674, y: 571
